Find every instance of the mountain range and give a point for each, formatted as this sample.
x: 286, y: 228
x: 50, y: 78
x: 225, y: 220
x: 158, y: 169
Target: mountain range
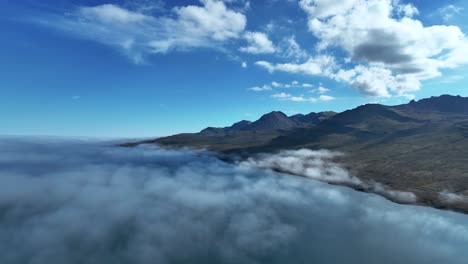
x: 419, y: 147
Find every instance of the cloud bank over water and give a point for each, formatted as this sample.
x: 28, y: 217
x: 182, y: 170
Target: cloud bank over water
x: 84, y: 202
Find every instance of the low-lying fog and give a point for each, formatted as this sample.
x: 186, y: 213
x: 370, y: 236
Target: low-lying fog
x: 65, y: 201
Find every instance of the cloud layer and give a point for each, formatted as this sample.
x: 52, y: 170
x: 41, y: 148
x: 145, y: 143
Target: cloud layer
x: 83, y: 202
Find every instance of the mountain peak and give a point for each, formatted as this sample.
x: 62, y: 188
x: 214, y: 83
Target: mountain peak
x: 273, y: 120
x: 312, y: 118
x: 240, y: 125
x: 275, y: 113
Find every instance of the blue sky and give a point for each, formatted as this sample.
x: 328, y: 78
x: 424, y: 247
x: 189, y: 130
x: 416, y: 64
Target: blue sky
x: 152, y: 68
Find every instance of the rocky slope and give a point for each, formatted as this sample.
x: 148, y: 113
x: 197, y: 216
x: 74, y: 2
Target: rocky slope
x: 419, y: 147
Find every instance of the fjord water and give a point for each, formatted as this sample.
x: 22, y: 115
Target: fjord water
x: 82, y: 201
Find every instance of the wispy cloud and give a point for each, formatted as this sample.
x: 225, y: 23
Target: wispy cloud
x: 292, y: 50
x: 320, y: 66
x: 265, y: 87
x: 449, y: 11
x: 138, y: 34
x: 257, y: 43
x: 452, y: 198
x: 452, y: 79
x: 274, y: 84
x: 293, y: 84
x: 301, y: 98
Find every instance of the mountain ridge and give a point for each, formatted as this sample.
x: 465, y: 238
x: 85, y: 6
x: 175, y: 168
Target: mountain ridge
x: 275, y: 120
x: 419, y: 147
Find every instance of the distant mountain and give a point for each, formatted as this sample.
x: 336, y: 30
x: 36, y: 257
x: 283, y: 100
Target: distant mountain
x: 241, y: 125
x: 443, y: 104
x: 419, y: 147
x: 216, y: 131
x: 272, y: 121
x: 312, y: 118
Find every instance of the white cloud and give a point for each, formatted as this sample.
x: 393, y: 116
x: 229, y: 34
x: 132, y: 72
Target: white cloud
x: 291, y: 49
x: 137, y: 34
x: 390, y: 52
x: 320, y: 65
x: 321, y: 90
x: 449, y: 11
x: 326, y: 8
x: 213, y: 20
x: 265, y: 87
x: 108, y: 14
x: 288, y: 97
x: 258, y: 43
x: 274, y: 84
x: 293, y: 84
x: 396, y: 51
x: 320, y: 165
x: 317, y: 165
x: 399, y: 196
x: 451, y: 198
x: 281, y: 95
x: 452, y: 79
x: 325, y: 98
x: 244, y: 64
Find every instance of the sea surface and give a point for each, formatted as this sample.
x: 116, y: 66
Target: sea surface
x: 88, y: 201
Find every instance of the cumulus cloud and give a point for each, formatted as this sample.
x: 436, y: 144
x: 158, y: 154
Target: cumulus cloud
x: 395, y: 50
x: 86, y: 202
x: 321, y: 90
x: 388, y: 52
x: 373, y: 81
x: 137, y: 33
x: 257, y: 43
